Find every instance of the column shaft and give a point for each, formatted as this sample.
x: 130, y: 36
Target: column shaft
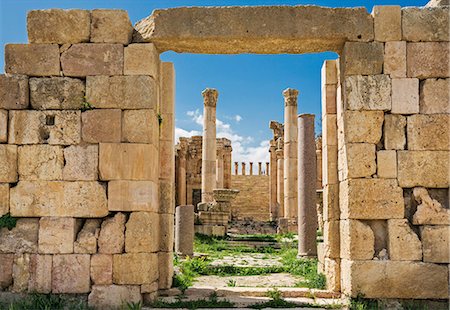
x: 273, y: 181
x: 181, y: 178
x: 219, y: 168
x: 184, y: 230
x: 280, y: 182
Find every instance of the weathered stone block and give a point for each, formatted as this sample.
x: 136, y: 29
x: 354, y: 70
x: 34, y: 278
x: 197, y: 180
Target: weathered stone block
x: 141, y: 59
x: 357, y: 240
x: 6, y: 270
x: 371, y: 199
x: 387, y: 22
x: 403, y: 243
x: 361, y: 58
x: 70, y: 274
x: 122, y: 92
x: 85, y: 59
x: 111, y: 26
x: 167, y: 159
x: 101, y: 125
x: 436, y: 241
x: 3, y: 126
x: 142, y: 233
x: 331, y: 202
x: 111, y: 239
x: 371, y: 92
x: 140, y: 126
x: 133, y: 196
x: 8, y: 163
x: 165, y: 268
x: 166, y: 232
x: 121, y: 161
x: 32, y: 59
x: 14, y: 92
x: 429, y: 211
x: 58, y: 26
x: 436, y: 54
x: 395, y: 59
x: 358, y: 161
x: 425, y: 24
x: 21, y: 239
x: 56, y: 235
x: 101, y: 269
x: 21, y: 272
x: 333, y: 274
x: 330, y: 164
x: 4, y: 199
x: 394, y: 132
x: 329, y: 94
x: 40, y: 162
x: 61, y: 199
x: 329, y: 129
x: 40, y: 127
x: 423, y: 168
x: 387, y: 164
x: 129, y: 269
x: 113, y: 296
x: 331, y: 238
x: 40, y: 274
x: 81, y: 163
x: 86, y: 242
x: 434, y: 96
x: 429, y: 132
x: 56, y: 93
x: 329, y: 72
x: 362, y: 126
x: 405, y: 96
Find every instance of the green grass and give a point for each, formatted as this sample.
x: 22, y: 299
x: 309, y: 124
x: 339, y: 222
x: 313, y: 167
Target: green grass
x: 305, y: 267
x: 8, y: 221
x: 46, y: 302
x: 211, y: 302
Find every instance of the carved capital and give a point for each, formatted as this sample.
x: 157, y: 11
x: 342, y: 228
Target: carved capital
x: 290, y: 97
x: 210, y: 97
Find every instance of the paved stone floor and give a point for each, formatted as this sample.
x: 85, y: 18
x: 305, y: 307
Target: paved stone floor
x: 270, y: 280
x: 248, y: 260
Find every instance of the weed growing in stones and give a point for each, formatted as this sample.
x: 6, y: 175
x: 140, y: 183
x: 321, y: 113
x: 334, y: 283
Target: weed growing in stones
x: 8, y: 221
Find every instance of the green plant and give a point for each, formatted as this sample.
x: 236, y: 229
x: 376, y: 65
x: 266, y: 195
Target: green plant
x: 85, y: 106
x: 160, y: 119
x: 46, y: 302
x: 231, y: 283
x: 360, y: 303
x: 8, y: 221
x: 132, y: 306
x: 275, y: 294
x: 211, y: 302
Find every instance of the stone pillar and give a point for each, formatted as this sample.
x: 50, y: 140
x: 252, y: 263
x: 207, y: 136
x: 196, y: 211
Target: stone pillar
x: 184, y: 230
x: 307, y: 177
x: 209, y: 144
x: 243, y: 168
x: 181, y: 189
x: 267, y: 168
x: 259, y: 168
x: 251, y: 168
x: 219, y: 169
x: 236, y: 168
x: 227, y: 167
x: 273, y: 181
x: 290, y: 153
x: 280, y: 181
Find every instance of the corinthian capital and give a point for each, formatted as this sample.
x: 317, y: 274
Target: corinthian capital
x: 290, y: 96
x: 210, y: 97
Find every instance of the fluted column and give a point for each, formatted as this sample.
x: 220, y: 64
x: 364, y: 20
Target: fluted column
x: 209, y: 144
x: 290, y: 153
x: 307, y: 177
x: 219, y: 169
x: 280, y: 181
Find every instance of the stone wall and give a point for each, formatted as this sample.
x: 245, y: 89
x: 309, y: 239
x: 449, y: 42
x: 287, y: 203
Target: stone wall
x: 79, y: 160
x: 253, y: 198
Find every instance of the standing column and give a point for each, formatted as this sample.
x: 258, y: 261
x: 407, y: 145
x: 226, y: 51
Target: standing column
x: 182, y: 176
x: 209, y: 144
x: 251, y: 168
x: 243, y: 168
x: 259, y: 168
x: 184, y: 230
x: 307, y: 216
x: 236, y: 168
x: 273, y: 180
x: 280, y: 182
x: 267, y: 168
x: 219, y: 168
x: 290, y: 153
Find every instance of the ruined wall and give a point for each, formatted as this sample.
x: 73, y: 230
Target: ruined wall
x: 253, y: 198
x: 79, y: 160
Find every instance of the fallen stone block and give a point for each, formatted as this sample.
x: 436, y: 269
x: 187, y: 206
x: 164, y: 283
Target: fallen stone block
x: 86, y: 241
x: 111, y: 239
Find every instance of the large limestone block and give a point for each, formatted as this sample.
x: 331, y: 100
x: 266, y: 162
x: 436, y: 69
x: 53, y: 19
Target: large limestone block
x: 358, y: 161
x: 14, y: 92
x: 85, y: 59
x: 135, y: 268
x: 329, y: 129
x: 331, y: 238
x: 394, y: 279
x: 357, y: 240
x: 362, y: 58
x: 329, y: 72
x: 70, y: 274
x: 141, y: 59
x: 81, y: 163
x: 436, y: 241
x: 111, y: 26
x: 32, y: 59
x: 3, y: 126
x: 56, y: 93
x: 403, y: 242
x: 371, y: 92
x: 40, y: 274
x: 405, y: 96
x: 60, y: 199
x: 101, y: 269
x: 166, y: 232
x: 362, y: 126
x: 86, y: 242
x: 21, y: 272
x: 111, y: 239
x: 329, y: 94
x: 429, y: 132
x: 56, y: 235
x: 423, y: 168
x: 387, y: 164
x: 4, y: 199
x: 436, y: 3
x: 133, y: 196
x: 332, y: 270
x: 8, y: 163
x: 395, y: 59
x: 58, y: 26
x: 331, y: 202
x: 254, y: 29
x: 394, y: 132
x: 387, y: 23
x: 21, y: 239
x: 122, y: 92
x: 40, y: 127
x: 166, y: 271
x: 142, y: 233
x: 429, y: 211
x: 102, y: 125
x: 425, y: 24
x: 40, y: 162
x: 113, y: 296
x: 436, y: 54
x: 140, y: 126
x: 121, y: 161
x: 434, y: 96
x: 371, y: 199
x: 6, y: 270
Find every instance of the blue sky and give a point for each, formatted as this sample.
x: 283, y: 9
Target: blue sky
x: 249, y: 86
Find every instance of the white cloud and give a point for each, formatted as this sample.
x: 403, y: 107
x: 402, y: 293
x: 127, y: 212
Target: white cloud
x: 238, y: 118
x: 179, y: 132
